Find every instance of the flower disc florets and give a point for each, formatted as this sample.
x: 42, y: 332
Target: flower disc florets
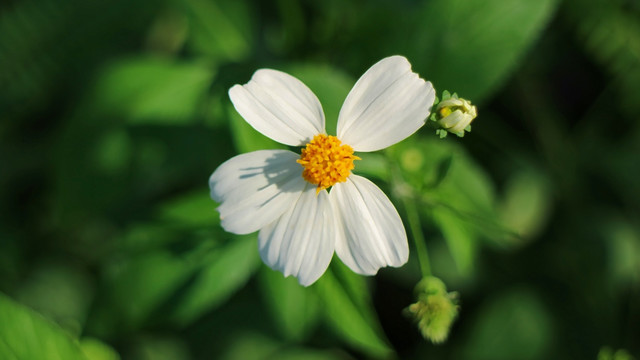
x: 326, y: 161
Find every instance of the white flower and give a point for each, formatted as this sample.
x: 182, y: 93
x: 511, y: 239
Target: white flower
x: 284, y: 195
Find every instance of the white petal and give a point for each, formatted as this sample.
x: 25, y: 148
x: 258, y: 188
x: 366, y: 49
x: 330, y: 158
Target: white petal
x: 302, y: 240
x: 255, y: 188
x: 387, y: 104
x: 373, y: 232
x: 279, y: 106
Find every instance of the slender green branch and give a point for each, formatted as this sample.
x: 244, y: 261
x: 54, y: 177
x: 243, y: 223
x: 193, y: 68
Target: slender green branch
x: 407, y: 195
x: 416, y: 233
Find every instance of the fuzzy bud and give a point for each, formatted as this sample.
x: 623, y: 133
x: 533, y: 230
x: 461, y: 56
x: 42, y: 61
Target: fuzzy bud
x: 435, y: 310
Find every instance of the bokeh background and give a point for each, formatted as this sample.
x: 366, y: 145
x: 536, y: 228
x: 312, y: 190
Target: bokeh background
x: 114, y: 114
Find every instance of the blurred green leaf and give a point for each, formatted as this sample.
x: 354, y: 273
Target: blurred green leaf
x: 295, y: 308
x: 623, y: 252
x: 606, y: 353
x: 297, y: 353
x: 513, y: 325
x: 256, y: 346
x: 178, y: 281
x: 610, y: 32
x: 460, y: 238
x: 59, y: 291
x: 352, y: 320
x: 222, y: 273
x: 472, y: 46
x: 220, y: 30
x: 526, y: 204
x: 48, y: 47
x: 250, y: 345
x: 355, y: 286
x: 113, y: 151
x: 150, y: 90
x: 95, y: 349
x: 159, y: 347
x: 373, y: 165
x: 191, y: 209
x: 140, y: 285
x: 26, y: 335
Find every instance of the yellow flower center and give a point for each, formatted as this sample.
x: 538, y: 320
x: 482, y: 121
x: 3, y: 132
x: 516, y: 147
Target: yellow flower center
x: 326, y: 161
x: 445, y: 111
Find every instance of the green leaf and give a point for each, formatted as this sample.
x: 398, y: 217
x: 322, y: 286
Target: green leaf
x: 373, y: 165
x: 26, y: 335
x: 623, y: 251
x: 294, y: 307
x: 514, y: 325
x: 250, y: 345
x: 350, y: 318
x: 472, y: 46
x: 526, y: 205
x: 192, y: 209
x: 140, y: 285
x: 154, y: 90
x: 95, y: 349
x: 176, y: 282
x: 160, y: 347
x: 461, y: 240
x: 298, y: 353
x: 219, y: 29
x: 60, y: 291
x: 223, y: 272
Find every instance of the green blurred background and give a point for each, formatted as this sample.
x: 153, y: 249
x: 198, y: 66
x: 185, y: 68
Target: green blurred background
x: 114, y: 114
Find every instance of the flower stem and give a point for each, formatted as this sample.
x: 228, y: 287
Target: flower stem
x: 416, y: 234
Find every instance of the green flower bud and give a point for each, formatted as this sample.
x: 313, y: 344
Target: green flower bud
x: 435, y: 310
x: 454, y: 115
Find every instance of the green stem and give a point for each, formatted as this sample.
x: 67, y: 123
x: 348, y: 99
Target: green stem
x: 416, y: 234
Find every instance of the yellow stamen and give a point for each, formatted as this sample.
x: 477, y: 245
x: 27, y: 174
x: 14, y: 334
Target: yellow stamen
x: 326, y: 161
x: 445, y: 111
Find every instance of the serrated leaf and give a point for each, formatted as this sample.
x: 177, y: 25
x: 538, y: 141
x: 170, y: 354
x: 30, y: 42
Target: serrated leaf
x: 26, y: 335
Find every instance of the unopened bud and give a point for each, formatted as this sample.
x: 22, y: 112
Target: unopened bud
x: 454, y: 115
x: 435, y: 310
